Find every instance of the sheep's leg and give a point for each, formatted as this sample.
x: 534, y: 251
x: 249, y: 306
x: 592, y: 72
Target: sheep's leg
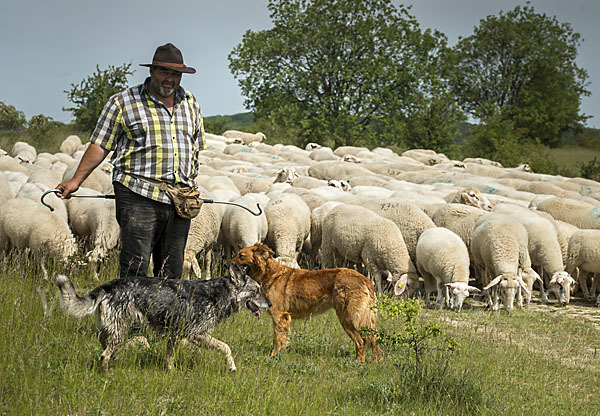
x: 440, y: 295
x: 583, y: 283
x: 595, y: 277
x: 196, y: 268
x: 495, y: 298
x: 207, y: 263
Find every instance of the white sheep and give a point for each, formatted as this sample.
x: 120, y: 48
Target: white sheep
x: 70, y: 145
x: 409, y: 218
x: 25, y: 224
x: 246, y: 138
x: 8, y: 163
x: 94, y: 221
x: 35, y: 190
x: 499, y: 249
x: 203, y: 235
x: 323, y: 153
x: 459, y: 218
x: 358, y: 235
x: 97, y: 180
x: 544, y: 252
x: 584, y: 253
x: 239, y: 227
x: 24, y: 152
x: 443, y: 261
x: 316, y: 224
x: 6, y: 192
x: 577, y: 213
x: 288, y: 224
x: 470, y: 196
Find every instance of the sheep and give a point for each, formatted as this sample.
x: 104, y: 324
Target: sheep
x: 499, y: 249
x: 459, y: 218
x: 239, y: 227
x: 316, y: 222
x: 70, y: 145
x: 323, y: 153
x: 482, y: 161
x: 35, y: 190
x: 308, y: 182
x: 250, y: 183
x: 348, y: 150
x: 246, y: 138
x: 312, y: 146
x: 470, y: 196
x: 584, y: 253
x: 6, y: 192
x: 426, y: 156
x: 94, y: 221
x: 24, y: 152
x: 312, y: 200
x: 443, y: 261
x: 288, y: 224
x: 7, y: 163
x: 578, y: 213
x: 287, y: 174
x: 97, y: 180
x: 409, y: 218
x: 544, y: 252
x: 25, y: 224
x: 331, y: 169
x: 359, y: 235
x: 203, y: 236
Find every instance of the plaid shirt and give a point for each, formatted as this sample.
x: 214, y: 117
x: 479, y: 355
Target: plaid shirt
x: 150, y: 143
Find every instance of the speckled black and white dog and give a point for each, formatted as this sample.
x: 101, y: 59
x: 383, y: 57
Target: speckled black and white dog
x: 179, y: 309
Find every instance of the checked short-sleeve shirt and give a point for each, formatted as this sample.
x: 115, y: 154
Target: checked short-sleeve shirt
x: 148, y: 142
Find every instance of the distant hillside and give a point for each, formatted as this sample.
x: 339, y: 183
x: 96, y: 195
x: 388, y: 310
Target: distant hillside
x: 218, y: 124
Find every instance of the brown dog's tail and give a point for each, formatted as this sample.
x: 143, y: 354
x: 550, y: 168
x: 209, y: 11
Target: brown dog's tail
x: 370, y: 321
x: 74, y: 305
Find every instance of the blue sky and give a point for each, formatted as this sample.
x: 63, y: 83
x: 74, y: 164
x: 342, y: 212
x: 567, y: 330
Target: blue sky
x: 48, y: 45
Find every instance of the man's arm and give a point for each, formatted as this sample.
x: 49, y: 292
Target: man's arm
x: 93, y: 156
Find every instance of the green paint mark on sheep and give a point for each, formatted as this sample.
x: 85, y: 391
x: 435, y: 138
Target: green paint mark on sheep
x: 596, y: 213
x: 585, y: 190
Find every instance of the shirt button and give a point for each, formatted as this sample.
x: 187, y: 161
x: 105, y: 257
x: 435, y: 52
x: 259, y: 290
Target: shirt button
x: 173, y: 137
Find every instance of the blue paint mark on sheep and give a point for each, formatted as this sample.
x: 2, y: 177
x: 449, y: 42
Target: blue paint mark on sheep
x: 490, y: 190
x: 585, y: 190
x: 596, y: 213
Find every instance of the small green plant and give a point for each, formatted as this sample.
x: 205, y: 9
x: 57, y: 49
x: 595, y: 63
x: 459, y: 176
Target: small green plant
x: 590, y: 170
x: 416, y: 336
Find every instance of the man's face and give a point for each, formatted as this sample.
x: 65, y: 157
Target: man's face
x: 164, y: 81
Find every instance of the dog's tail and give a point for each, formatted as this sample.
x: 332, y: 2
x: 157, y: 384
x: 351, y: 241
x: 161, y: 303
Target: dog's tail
x: 74, y: 305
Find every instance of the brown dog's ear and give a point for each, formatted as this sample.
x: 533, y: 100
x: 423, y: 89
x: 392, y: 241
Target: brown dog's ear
x: 265, y: 251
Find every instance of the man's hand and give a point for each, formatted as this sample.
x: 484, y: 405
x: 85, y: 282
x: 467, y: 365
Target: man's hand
x: 93, y: 156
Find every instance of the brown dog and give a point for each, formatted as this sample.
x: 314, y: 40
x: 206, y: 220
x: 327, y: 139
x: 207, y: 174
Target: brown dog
x: 298, y: 293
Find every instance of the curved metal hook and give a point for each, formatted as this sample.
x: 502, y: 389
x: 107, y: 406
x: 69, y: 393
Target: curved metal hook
x: 55, y: 191
x: 256, y: 214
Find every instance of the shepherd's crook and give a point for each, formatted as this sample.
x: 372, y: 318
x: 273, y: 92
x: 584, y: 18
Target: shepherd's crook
x: 206, y: 201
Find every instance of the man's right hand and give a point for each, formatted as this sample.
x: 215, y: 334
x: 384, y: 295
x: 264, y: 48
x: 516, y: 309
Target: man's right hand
x: 67, y: 188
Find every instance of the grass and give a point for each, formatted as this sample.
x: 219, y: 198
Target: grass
x: 572, y: 157
x: 541, y: 361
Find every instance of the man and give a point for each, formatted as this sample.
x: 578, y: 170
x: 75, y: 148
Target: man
x: 155, y: 131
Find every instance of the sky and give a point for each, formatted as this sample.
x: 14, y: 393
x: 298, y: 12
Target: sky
x: 47, y: 45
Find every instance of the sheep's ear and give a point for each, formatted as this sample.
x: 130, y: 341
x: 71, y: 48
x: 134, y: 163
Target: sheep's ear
x: 538, y: 278
x: 400, y: 285
x: 493, y: 282
x: 523, y: 286
x: 473, y: 289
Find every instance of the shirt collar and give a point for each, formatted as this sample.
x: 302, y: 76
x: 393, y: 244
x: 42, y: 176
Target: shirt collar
x: 180, y: 93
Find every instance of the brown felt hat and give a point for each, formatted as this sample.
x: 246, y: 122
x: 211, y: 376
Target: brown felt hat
x: 168, y: 56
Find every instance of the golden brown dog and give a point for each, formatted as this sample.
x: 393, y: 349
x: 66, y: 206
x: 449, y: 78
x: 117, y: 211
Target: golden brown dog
x: 298, y: 293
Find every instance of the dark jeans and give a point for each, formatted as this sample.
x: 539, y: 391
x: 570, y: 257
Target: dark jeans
x: 149, y: 228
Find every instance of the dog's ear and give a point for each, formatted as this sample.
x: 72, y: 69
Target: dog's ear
x: 264, y: 251
x: 237, y: 275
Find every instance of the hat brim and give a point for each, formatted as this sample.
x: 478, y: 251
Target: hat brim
x: 184, y: 69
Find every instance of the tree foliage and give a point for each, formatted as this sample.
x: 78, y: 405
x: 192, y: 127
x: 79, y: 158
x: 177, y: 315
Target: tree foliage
x: 352, y: 72
x: 520, y: 66
x: 11, y: 118
x: 92, y: 93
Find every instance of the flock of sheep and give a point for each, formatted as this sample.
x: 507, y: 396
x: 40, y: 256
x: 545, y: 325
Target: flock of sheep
x: 458, y: 226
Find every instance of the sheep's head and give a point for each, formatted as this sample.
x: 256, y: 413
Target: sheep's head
x: 473, y: 197
x: 341, y: 184
x: 312, y: 146
x: 351, y: 159
x: 286, y: 175
x: 560, y: 285
x: 459, y: 291
x: 507, y: 287
x: 529, y: 277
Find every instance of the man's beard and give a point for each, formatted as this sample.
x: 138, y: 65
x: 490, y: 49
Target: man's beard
x: 163, y: 91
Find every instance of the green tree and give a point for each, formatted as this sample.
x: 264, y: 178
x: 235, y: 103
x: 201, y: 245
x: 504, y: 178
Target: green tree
x: 341, y: 72
x: 520, y: 66
x: 11, y: 118
x: 92, y: 93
